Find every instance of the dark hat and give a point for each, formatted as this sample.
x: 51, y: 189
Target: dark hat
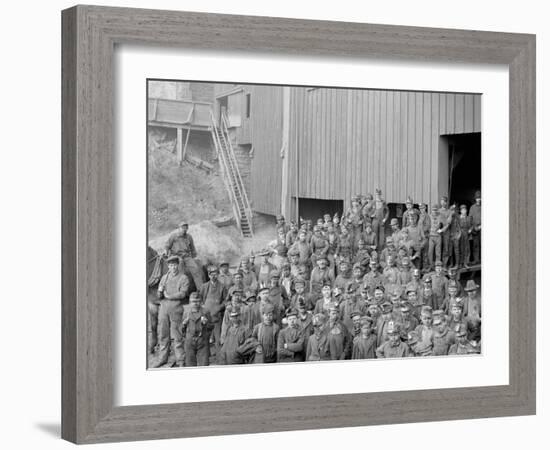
x: 460, y: 330
x: 299, y: 280
x: 394, y: 221
x: 439, y: 313
x: 285, y: 265
x: 224, y: 263
x: 249, y: 295
x: 444, y: 197
x: 274, y: 275
x: 268, y: 308
x: 437, y: 320
x: 477, y: 194
x: 334, y: 307
x: 322, y: 258
x: 366, y: 320
x: 405, y: 306
x: 387, y: 306
x: 463, y: 206
x: 380, y: 287
x: 471, y: 286
x: 389, y: 239
x: 427, y: 279
x: 457, y: 305
x: 263, y: 288
x: 358, y: 265
x: 173, y: 259
x: 291, y: 312
x: 212, y: 269
x: 452, y: 283
x: 438, y: 263
x: 435, y: 206
x: 280, y: 217
x: 355, y: 313
x: 236, y: 291
x: 194, y: 296
x: 422, y: 205
x: 183, y: 224
x: 409, y: 200
x: 378, y: 191
x: 393, y: 327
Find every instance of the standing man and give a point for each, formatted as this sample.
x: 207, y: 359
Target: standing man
x: 424, y: 222
x: 465, y: 221
x: 231, y: 351
x: 319, y: 245
x: 364, y: 345
x: 435, y: 239
x: 173, y: 289
x: 213, y: 294
x: 409, y: 212
x: 180, y: 243
x: 444, y: 215
x: 380, y: 217
x: 196, y: 327
x: 267, y: 333
x: 339, y: 339
x: 320, y: 275
x: 290, y: 342
x: 475, y: 214
x: 394, y: 347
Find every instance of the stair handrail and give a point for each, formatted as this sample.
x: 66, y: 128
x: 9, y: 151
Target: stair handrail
x: 224, y: 167
x: 225, y: 132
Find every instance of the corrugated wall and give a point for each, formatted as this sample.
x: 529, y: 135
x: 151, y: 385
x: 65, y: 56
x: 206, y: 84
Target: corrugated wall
x: 353, y: 141
x: 264, y: 129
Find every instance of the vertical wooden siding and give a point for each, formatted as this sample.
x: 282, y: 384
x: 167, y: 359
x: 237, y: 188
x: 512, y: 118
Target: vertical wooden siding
x: 353, y: 141
x: 265, y: 129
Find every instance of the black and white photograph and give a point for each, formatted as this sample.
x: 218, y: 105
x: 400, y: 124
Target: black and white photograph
x: 291, y: 224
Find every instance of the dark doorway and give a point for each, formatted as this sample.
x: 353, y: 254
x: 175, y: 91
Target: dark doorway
x: 464, y: 167
x: 222, y: 107
x: 314, y: 208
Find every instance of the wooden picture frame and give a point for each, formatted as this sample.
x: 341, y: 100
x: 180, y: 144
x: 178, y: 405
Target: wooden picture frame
x: 89, y: 37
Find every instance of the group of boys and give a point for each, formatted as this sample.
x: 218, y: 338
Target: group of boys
x: 342, y: 289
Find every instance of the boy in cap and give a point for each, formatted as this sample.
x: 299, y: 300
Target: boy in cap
x: 410, y: 211
x: 396, y: 232
x: 344, y: 249
x: 475, y: 214
x: 320, y: 275
x: 380, y: 216
x: 172, y: 290
x: 425, y: 330
x: 267, y: 333
x: 443, y: 337
x: 394, y: 347
x: 319, y: 245
x: 370, y: 238
x: 351, y: 304
x: 196, y: 327
x: 357, y: 278
x: 277, y: 294
x: 445, y: 216
x: 373, y: 278
x: 302, y: 247
x: 224, y: 276
x: 234, y: 340
x: 305, y: 320
x: 181, y: 243
x: 265, y: 268
x: 281, y: 224
x: 389, y: 250
x: 300, y: 294
x: 317, y: 345
x: 383, y: 321
x: 439, y: 285
x: 345, y: 276
x: 435, y: 237
x: 213, y: 294
x: 290, y: 342
x: 405, y: 273
x: 292, y: 234
x: 465, y: 222
x: 364, y: 345
x: 462, y: 345
x: 452, y: 298
x: 237, y: 285
x: 362, y: 255
x: 407, y: 321
x: 324, y: 303
x: 339, y: 338
x: 250, y: 281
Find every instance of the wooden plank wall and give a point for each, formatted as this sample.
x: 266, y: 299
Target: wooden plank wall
x: 352, y: 141
x: 265, y: 130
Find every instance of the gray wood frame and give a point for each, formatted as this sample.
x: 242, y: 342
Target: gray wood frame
x: 89, y: 36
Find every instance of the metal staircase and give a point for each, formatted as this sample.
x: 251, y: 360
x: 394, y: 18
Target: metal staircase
x: 231, y: 174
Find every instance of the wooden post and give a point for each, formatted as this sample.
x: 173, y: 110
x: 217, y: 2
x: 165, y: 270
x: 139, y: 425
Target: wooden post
x: 179, y: 150
x: 186, y: 141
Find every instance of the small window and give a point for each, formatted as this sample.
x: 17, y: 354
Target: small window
x: 247, y: 105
